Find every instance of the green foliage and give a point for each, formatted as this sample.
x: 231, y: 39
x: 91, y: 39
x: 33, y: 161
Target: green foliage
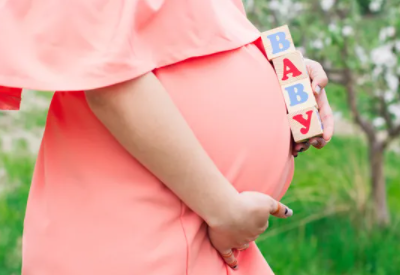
x: 331, y: 231
x: 13, y: 199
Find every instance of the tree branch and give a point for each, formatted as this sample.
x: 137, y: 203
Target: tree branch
x: 395, y: 132
x: 365, y: 125
x: 383, y: 111
x: 347, y: 75
x: 335, y: 75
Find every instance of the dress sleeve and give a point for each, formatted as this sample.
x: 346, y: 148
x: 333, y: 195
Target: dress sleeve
x: 10, y: 98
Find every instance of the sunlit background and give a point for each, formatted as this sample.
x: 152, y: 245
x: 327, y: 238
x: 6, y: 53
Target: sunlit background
x: 345, y: 197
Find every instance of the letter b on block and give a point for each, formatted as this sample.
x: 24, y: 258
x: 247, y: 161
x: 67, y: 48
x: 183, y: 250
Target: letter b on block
x: 277, y: 42
x: 298, y: 95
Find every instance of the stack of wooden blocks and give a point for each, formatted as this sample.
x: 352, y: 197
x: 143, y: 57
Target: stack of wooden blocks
x: 292, y: 73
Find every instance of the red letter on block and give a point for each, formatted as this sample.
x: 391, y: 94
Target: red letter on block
x: 305, y: 122
x: 289, y: 68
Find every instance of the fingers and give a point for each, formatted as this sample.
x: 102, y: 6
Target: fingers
x: 280, y: 210
x: 319, y: 79
x: 244, y: 247
x: 300, y: 147
x: 318, y: 142
x: 230, y: 259
x: 326, y: 115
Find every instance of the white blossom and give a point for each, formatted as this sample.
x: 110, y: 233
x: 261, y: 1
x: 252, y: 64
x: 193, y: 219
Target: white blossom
x: 378, y: 122
x: 286, y: 8
x: 274, y: 5
x: 360, y: 52
x: 317, y: 44
x: 386, y: 32
x: 389, y: 95
x: 332, y: 27
x: 327, y: 4
x: 375, y: 5
x: 383, y: 56
x: 394, y: 109
x: 397, y: 45
x: 392, y: 81
x: 347, y: 31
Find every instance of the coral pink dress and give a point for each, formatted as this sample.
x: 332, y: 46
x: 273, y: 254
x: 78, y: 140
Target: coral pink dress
x: 93, y: 209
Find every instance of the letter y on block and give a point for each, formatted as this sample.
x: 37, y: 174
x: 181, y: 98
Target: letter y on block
x: 305, y: 124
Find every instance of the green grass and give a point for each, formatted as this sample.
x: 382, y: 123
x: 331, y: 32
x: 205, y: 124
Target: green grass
x: 331, y: 231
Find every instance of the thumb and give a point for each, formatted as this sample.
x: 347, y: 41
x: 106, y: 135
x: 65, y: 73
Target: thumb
x: 280, y: 210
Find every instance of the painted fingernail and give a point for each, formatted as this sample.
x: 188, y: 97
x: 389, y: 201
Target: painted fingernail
x: 314, y: 142
x: 318, y: 89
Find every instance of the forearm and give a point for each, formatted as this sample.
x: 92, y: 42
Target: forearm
x: 143, y: 118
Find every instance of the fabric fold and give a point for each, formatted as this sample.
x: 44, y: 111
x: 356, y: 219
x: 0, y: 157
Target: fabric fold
x: 10, y: 98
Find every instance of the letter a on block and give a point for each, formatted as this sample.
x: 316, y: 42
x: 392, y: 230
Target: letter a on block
x: 290, y: 68
x: 299, y: 95
x: 305, y: 124
x: 277, y: 42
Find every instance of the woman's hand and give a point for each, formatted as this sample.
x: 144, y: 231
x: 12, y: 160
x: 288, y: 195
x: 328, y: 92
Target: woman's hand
x: 251, y: 220
x: 319, y: 80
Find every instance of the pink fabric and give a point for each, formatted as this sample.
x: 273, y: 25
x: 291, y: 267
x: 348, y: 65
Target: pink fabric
x: 10, y: 98
x: 79, y: 45
x: 93, y: 209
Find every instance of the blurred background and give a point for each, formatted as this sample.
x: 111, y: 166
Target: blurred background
x: 345, y: 197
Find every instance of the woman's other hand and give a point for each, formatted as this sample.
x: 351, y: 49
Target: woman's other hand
x: 253, y: 211
x: 319, y: 80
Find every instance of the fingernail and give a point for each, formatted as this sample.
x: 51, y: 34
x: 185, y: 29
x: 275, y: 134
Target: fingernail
x: 314, y: 142
x: 235, y: 267
x: 288, y: 212
x: 318, y: 89
x: 301, y: 150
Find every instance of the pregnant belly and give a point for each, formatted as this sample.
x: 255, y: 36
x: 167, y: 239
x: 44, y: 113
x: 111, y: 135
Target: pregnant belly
x: 94, y: 210
x: 233, y: 103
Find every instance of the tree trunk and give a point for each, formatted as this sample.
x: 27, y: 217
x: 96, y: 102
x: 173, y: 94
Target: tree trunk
x: 378, y: 183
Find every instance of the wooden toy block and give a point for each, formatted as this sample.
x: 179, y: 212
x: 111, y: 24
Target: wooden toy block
x: 299, y: 95
x: 305, y: 124
x: 277, y: 42
x: 290, y: 68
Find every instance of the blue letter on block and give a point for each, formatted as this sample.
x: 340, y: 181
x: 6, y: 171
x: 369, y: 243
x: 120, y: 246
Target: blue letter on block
x: 296, y: 93
x: 279, y: 42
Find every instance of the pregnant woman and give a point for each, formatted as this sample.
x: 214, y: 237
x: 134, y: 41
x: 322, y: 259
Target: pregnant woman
x: 166, y: 146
